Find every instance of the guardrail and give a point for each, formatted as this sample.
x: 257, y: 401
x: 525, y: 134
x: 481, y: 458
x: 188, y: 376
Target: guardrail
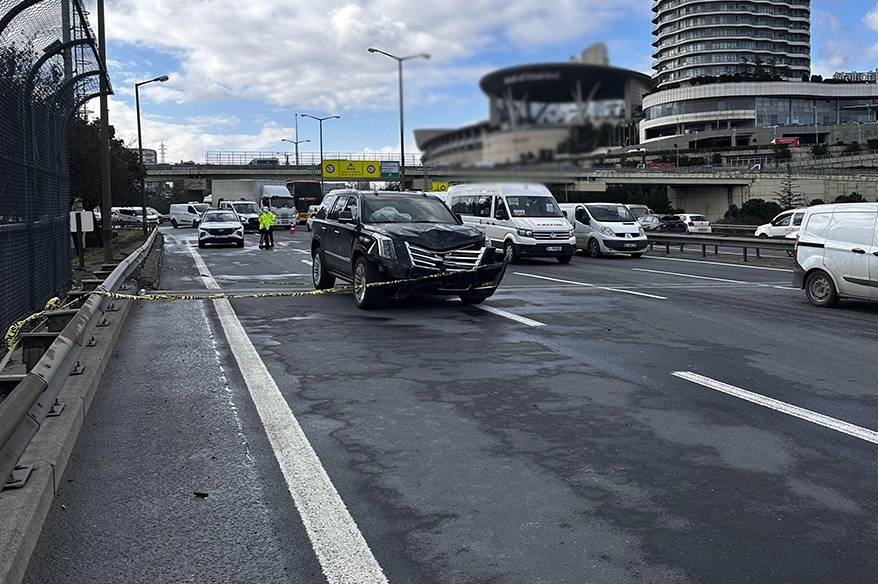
x: 716, y: 241
x: 24, y: 410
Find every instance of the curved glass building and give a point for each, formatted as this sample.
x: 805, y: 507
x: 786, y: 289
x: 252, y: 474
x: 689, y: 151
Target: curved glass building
x: 696, y: 38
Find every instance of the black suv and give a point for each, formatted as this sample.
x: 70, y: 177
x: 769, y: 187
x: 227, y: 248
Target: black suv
x: 390, y: 244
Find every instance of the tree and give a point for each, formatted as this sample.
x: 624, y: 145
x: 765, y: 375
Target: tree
x: 820, y: 149
x: 752, y: 212
x: 853, y: 197
x: 84, y: 156
x: 790, y: 196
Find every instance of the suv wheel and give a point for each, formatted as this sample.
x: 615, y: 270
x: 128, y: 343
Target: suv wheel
x: 820, y: 290
x: 594, y: 248
x: 322, y: 280
x: 365, y: 273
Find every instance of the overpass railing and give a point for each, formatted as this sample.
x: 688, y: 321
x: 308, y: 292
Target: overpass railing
x: 263, y: 159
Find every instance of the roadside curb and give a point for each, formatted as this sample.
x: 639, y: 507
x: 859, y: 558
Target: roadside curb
x: 25, y: 510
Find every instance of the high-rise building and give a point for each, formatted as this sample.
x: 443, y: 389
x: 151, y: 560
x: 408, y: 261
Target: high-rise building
x: 695, y: 38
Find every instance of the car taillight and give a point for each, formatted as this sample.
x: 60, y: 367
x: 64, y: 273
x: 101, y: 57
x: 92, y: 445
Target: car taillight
x: 691, y: 224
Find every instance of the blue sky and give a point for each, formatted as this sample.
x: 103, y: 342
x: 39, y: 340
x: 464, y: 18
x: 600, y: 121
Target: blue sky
x: 240, y: 70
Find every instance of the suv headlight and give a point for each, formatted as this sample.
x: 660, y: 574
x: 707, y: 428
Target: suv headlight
x: 607, y: 231
x: 385, y: 247
x: 526, y: 232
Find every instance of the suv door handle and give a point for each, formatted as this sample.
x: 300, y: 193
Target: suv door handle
x: 858, y: 250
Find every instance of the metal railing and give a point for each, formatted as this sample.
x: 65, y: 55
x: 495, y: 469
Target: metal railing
x: 24, y: 410
x: 262, y: 159
x: 745, y: 244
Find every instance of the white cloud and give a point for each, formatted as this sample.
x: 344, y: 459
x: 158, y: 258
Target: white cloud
x: 313, y: 54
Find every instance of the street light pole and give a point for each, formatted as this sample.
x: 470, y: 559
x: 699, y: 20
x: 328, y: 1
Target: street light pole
x: 161, y: 79
x: 321, y: 141
x: 399, y: 61
x: 816, y: 135
x: 296, y: 142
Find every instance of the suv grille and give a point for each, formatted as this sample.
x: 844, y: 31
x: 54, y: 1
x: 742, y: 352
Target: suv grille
x: 455, y: 260
x: 220, y: 231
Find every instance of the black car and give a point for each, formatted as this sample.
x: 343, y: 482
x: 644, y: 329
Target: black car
x: 390, y: 244
x: 663, y: 224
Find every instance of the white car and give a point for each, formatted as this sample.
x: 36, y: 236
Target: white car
x: 220, y: 226
x: 785, y: 224
x: 696, y: 223
x: 312, y: 211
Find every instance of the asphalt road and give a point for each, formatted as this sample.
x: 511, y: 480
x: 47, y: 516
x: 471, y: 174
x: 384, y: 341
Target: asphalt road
x: 588, y: 423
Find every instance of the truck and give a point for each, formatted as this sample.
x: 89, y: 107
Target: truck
x: 265, y: 193
x: 787, y: 141
x: 306, y: 193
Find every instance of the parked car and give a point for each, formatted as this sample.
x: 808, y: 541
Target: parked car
x: 410, y: 240
x: 151, y: 211
x: 785, y: 224
x: 663, y: 223
x: 220, y: 226
x: 639, y: 210
x: 132, y: 217
x: 835, y: 253
x: 312, y: 212
x: 696, y: 223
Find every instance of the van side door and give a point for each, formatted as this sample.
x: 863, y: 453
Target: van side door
x: 580, y: 226
x: 848, y: 251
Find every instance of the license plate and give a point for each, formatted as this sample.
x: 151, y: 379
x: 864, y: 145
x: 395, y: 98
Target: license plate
x: 630, y: 245
x: 553, y: 248
x: 220, y: 236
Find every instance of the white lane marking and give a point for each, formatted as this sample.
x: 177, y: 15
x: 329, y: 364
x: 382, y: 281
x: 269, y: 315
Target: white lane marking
x: 690, y: 276
x: 509, y: 315
x: 758, y: 284
x: 586, y: 285
x: 342, y: 550
x: 309, y: 262
x: 717, y: 263
x: 783, y: 407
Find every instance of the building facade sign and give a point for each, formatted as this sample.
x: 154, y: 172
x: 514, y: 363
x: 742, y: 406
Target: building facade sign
x: 857, y: 76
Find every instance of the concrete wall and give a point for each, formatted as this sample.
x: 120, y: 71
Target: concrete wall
x: 507, y: 147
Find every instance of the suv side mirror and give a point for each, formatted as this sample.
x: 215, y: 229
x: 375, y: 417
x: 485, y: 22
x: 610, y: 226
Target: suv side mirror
x: 346, y: 216
x: 500, y: 214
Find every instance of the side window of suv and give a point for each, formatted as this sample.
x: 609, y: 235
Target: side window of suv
x: 337, y: 206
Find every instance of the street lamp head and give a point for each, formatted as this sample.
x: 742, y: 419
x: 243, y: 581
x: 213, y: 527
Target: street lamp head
x: 161, y: 79
x: 371, y: 50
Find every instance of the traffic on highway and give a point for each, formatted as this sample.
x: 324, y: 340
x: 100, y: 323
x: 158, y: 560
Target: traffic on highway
x: 664, y: 418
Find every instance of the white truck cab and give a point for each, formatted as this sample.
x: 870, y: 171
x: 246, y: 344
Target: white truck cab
x: 523, y: 219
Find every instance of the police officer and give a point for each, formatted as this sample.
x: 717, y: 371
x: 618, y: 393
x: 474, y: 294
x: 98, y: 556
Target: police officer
x: 266, y: 235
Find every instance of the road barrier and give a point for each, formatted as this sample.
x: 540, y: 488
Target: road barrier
x: 24, y: 410
x: 716, y: 241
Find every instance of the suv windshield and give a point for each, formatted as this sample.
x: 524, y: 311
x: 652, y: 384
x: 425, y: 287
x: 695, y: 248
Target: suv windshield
x: 405, y: 210
x: 532, y: 206
x: 610, y: 213
x: 219, y: 217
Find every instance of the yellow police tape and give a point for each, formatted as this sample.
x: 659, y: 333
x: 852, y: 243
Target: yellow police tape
x: 118, y: 296
x: 55, y: 303
x: 13, y: 331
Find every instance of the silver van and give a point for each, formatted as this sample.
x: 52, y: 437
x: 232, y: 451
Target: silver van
x: 837, y: 253
x: 605, y: 228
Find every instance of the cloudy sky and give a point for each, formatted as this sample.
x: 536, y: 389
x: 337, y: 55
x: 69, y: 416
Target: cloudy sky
x: 240, y: 70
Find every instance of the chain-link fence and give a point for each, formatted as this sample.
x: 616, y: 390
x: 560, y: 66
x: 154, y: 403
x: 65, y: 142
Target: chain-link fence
x: 49, y: 68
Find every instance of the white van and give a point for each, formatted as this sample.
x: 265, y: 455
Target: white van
x: 837, y: 253
x: 247, y: 211
x: 785, y: 224
x: 186, y: 213
x: 606, y: 228
x: 523, y: 219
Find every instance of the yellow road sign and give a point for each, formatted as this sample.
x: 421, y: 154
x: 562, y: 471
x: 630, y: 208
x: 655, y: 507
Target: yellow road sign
x: 351, y: 169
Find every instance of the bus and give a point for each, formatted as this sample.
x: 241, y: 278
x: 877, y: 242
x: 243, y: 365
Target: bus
x: 305, y: 193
